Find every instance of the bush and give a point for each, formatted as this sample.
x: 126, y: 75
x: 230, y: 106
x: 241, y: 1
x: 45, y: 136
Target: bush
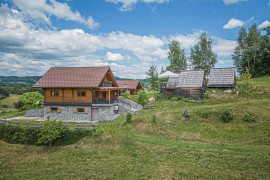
x: 225, y: 116
x: 99, y: 132
x: 186, y: 113
x: 15, y: 134
x: 248, y: 117
x: 127, y: 95
x: 5, y: 106
x: 142, y: 98
x: 129, y: 118
x: 31, y: 100
x: 50, y: 131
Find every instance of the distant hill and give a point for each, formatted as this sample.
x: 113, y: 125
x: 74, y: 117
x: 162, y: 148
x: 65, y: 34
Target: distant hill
x: 33, y: 79
x: 17, y: 79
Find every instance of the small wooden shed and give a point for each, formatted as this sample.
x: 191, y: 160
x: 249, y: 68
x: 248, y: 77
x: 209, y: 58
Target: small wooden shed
x: 223, y: 78
x: 189, y: 83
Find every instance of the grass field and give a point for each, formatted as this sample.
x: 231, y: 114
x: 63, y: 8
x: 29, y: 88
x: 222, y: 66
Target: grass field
x: 173, y: 147
x: 10, y: 100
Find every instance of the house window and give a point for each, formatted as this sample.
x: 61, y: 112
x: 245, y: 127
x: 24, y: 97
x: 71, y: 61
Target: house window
x: 125, y: 85
x: 80, y: 110
x: 54, y: 93
x: 107, y: 83
x: 81, y: 93
x: 53, y: 109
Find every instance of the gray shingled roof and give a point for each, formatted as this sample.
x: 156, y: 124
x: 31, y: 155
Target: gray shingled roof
x: 222, y: 77
x: 188, y: 79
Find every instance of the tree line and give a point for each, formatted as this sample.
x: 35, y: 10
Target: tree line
x: 252, y: 52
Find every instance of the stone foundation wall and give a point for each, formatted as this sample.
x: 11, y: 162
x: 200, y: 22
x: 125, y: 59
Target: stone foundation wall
x: 34, y: 113
x: 67, y: 113
x: 107, y: 113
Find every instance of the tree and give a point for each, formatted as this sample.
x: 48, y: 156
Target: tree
x: 253, y: 51
x: 177, y: 57
x: 4, y: 92
x: 245, y: 87
x: 152, y: 79
x: 18, y: 105
x: 31, y: 100
x: 142, y: 98
x: 201, y: 55
x: 50, y: 131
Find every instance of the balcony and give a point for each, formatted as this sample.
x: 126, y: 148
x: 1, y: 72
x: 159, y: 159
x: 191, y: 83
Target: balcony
x: 105, y: 101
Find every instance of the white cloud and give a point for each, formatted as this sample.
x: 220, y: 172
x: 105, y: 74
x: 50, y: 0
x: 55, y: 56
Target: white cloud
x: 126, y: 5
x: 116, y: 57
x: 25, y: 50
x: 264, y: 24
x: 223, y: 47
x: 222, y: 62
x: 41, y: 10
x: 233, y: 23
x: 188, y: 40
x: 228, y: 2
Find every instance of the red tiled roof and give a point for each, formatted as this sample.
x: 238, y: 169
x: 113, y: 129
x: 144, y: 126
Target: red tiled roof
x: 131, y: 84
x: 72, y: 77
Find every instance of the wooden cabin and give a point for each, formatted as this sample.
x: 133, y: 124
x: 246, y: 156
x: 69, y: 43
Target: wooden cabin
x: 133, y: 86
x: 223, y: 78
x: 75, y: 93
x: 188, y: 84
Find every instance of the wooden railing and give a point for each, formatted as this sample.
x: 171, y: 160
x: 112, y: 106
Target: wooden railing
x: 105, y: 101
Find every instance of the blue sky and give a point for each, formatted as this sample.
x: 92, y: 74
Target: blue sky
x: 128, y: 35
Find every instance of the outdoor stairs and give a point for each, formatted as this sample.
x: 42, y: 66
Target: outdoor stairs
x: 127, y: 106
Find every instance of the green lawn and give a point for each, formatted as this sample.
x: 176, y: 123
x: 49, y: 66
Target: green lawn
x: 200, y: 147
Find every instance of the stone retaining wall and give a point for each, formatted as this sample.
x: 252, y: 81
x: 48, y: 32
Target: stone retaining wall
x: 131, y: 104
x: 34, y: 113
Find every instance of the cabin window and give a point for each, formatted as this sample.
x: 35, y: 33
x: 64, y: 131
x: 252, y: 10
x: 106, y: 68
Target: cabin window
x: 80, y: 110
x: 54, y: 93
x: 53, y: 109
x: 107, y: 83
x: 125, y: 85
x: 81, y: 93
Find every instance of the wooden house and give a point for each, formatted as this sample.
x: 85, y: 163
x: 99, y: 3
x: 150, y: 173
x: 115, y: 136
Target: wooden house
x: 79, y: 93
x: 224, y: 78
x: 133, y: 86
x: 188, y: 84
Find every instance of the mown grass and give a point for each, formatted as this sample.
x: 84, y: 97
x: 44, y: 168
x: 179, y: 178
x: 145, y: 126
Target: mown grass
x: 173, y: 147
x: 8, y: 101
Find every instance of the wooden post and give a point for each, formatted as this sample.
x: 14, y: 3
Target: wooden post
x: 109, y: 97
x: 62, y: 95
x: 72, y: 95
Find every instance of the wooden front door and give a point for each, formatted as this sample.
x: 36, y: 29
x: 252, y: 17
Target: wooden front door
x: 95, y: 114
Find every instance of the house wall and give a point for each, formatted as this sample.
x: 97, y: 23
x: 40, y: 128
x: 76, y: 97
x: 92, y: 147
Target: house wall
x: 185, y: 92
x: 67, y: 96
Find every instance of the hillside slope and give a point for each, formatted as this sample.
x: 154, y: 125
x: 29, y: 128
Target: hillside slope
x: 173, y: 147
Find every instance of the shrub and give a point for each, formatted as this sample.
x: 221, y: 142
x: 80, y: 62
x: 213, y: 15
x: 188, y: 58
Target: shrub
x: 127, y: 95
x: 18, y: 105
x: 154, y: 119
x: 225, y: 116
x: 186, y: 113
x: 99, y: 132
x: 51, y: 131
x: 248, y: 118
x: 142, y: 98
x: 31, y: 100
x: 5, y: 106
x: 129, y: 118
